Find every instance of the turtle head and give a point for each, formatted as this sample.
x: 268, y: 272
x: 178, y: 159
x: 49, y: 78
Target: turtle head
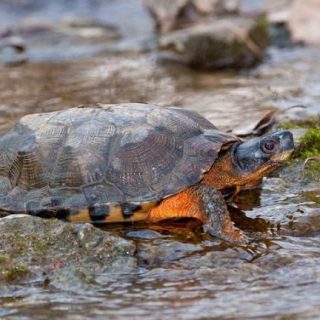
x: 245, y: 163
x: 258, y: 156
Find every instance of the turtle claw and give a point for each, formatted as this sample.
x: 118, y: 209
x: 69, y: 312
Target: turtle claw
x: 239, y: 239
x: 231, y: 235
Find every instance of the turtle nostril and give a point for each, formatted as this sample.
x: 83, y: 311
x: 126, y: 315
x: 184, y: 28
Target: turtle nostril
x: 285, y: 135
x: 287, y: 141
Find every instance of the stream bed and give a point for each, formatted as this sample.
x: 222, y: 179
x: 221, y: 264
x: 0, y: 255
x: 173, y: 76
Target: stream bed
x: 180, y: 273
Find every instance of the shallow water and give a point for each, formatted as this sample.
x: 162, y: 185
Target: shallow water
x: 183, y: 273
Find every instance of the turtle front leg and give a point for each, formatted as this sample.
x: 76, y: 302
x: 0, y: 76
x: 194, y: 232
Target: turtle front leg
x: 204, y: 203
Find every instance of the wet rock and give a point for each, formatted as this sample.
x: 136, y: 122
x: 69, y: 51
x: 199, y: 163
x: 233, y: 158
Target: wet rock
x: 238, y: 42
x: 304, y: 21
x: 12, y: 50
x: 60, y: 31
x: 280, y: 35
x: 59, y: 253
x: 277, y: 13
x: 145, y: 234
x: 14, y: 42
x: 171, y: 15
x: 160, y: 252
x: 293, y: 21
x: 165, y: 13
x: 63, y: 40
x: 217, y: 6
x: 305, y: 222
x: 89, y: 28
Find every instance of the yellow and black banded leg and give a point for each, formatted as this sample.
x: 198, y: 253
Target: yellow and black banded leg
x: 100, y: 213
x: 61, y: 214
x: 52, y: 210
x: 91, y: 214
x: 108, y: 213
x: 204, y: 203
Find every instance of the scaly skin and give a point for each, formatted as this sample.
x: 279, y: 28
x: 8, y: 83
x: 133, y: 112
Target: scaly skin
x: 231, y: 170
x: 223, y: 174
x: 204, y: 203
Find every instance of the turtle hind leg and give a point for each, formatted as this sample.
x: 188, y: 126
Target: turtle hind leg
x: 204, y: 203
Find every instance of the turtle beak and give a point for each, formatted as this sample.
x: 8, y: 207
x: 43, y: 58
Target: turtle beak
x: 286, y: 146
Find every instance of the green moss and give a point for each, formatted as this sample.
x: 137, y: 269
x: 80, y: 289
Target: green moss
x: 290, y: 125
x: 260, y: 33
x: 309, y: 122
x: 11, y: 270
x: 309, y: 148
x: 14, y: 272
x: 310, y: 143
x: 4, y: 258
x: 23, y: 243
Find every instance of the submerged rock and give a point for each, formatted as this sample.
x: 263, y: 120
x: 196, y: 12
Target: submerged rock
x: 59, y: 253
x: 238, y: 42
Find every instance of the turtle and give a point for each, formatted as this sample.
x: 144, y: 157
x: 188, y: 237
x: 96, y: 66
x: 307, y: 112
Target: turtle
x: 107, y: 163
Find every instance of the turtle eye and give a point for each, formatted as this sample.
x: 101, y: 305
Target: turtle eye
x: 268, y: 146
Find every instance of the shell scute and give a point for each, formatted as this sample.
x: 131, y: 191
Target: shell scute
x: 143, y: 161
x: 102, y: 154
x: 101, y: 192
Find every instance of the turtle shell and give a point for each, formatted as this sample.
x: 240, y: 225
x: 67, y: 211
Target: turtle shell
x: 101, y: 154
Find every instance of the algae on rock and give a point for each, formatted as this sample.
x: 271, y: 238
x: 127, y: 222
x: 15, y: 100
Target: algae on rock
x: 239, y: 42
x: 308, y: 146
x: 61, y: 253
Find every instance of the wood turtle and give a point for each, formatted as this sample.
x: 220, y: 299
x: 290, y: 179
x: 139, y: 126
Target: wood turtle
x: 131, y: 162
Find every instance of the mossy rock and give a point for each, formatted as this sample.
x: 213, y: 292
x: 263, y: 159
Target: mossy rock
x: 308, y: 146
x: 60, y: 253
x: 237, y: 42
x: 310, y: 143
x: 308, y: 122
x: 10, y: 270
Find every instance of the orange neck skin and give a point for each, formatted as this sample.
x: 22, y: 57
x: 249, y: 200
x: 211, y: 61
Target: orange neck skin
x: 223, y: 174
